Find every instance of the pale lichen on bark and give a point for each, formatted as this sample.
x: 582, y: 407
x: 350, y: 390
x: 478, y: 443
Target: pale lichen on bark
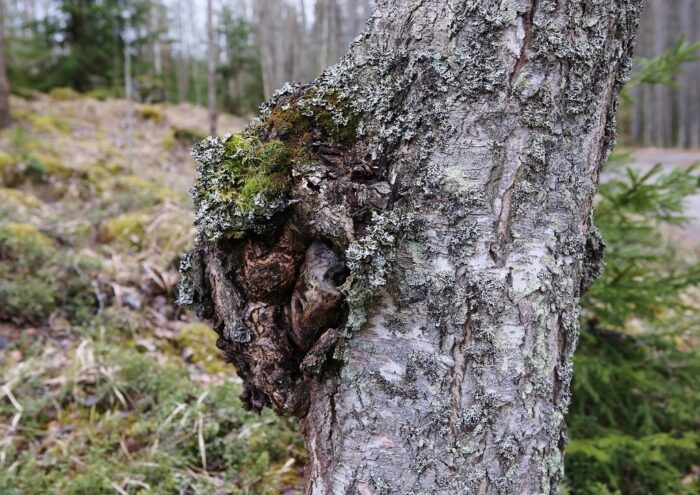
x: 408, y: 283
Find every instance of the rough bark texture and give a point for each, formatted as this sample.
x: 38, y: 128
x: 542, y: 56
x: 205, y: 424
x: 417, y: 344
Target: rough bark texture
x: 395, y: 253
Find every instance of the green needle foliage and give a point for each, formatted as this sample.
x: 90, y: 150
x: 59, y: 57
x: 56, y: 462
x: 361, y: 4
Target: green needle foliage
x: 644, y: 277
x: 636, y: 403
x: 635, y: 406
x: 663, y: 69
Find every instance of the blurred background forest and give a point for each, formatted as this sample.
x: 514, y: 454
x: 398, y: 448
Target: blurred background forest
x: 107, y: 386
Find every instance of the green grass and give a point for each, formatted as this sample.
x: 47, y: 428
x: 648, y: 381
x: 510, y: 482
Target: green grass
x: 103, y: 415
x: 99, y: 394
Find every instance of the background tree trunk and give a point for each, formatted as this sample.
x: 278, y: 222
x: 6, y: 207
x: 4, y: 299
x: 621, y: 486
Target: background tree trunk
x: 183, y: 72
x: 412, y: 293
x: 4, y: 82
x: 211, y: 69
x: 267, y: 56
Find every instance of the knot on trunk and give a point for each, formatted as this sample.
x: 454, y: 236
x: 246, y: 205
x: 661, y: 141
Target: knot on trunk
x: 277, y: 307
x: 280, y: 209
x: 316, y: 300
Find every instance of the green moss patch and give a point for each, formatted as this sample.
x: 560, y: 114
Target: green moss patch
x: 151, y: 113
x: 36, y: 280
x: 314, y: 116
x: 128, y: 228
x: 199, y: 341
x: 64, y: 94
x: 98, y: 416
x: 243, y: 183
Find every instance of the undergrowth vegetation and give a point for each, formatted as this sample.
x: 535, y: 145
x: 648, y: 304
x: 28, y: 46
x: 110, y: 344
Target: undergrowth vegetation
x: 636, y: 402
x: 107, y: 387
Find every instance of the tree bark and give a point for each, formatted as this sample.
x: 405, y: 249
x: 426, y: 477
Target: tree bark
x: 267, y: 56
x: 5, y: 118
x: 694, y: 76
x: 409, y: 286
x: 155, y: 26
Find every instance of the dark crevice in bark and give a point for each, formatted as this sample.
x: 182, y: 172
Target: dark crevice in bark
x: 458, y: 369
x: 498, y: 248
x: 528, y: 22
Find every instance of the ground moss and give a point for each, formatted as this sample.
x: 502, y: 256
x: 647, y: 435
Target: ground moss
x: 200, y: 340
x: 151, y: 113
x: 8, y: 164
x: 19, y: 197
x: 23, y: 244
x: 63, y: 94
x: 128, y: 228
x: 35, y: 278
x: 188, y: 136
x: 168, y: 142
x: 115, y: 426
x: 48, y: 123
x: 136, y: 184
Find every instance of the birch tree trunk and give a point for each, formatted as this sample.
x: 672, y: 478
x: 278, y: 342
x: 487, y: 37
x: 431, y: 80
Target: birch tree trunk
x: 4, y: 82
x: 183, y: 58
x: 267, y: 58
x: 211, y: 69
x: 402, y: 268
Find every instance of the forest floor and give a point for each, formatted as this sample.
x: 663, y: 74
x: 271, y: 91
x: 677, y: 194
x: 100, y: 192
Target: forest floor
x: 106, y: 385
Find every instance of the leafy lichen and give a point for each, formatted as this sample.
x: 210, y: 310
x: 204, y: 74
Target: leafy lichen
x: 370, y: 260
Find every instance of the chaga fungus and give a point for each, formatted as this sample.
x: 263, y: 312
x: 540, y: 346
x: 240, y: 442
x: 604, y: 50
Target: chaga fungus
x: 286, y: 289
x: 280, y: 210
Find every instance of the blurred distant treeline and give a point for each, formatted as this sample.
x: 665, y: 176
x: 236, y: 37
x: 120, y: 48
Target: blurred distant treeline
x: 667, y: 115
x: 259, y: 44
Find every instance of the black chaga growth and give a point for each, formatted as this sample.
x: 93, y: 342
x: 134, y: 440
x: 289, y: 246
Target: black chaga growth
x: 277, y: 207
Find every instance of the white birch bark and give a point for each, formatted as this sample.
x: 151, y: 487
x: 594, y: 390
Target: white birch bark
x: 461, y: 213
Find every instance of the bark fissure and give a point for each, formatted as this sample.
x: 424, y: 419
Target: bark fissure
x: 458, y: 369
x: 528, y: 22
